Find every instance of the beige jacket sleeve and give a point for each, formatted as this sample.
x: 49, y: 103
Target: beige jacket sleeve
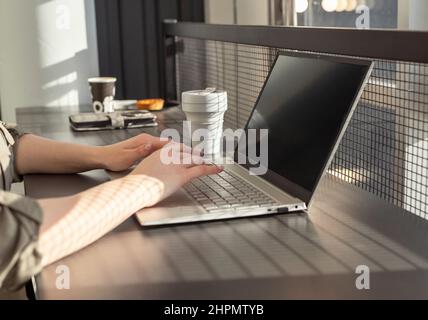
x: 20, y: 219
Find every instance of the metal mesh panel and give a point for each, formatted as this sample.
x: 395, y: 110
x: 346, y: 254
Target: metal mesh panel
x: 385, y: 149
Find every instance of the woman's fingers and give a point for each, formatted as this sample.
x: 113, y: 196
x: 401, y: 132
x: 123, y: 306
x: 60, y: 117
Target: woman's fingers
x: 143, y: 151
x: 175, y: 150
x: 144, y: 139
x: 180, y: 147
x: 191, y: 160
x: 202, y: 170
x: 187, y: 160
x: 157, y: 143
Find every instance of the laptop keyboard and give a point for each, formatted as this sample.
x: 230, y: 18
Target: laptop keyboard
x: 226, y: 191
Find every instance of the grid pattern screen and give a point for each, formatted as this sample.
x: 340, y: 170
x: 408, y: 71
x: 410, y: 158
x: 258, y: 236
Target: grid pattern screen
x: 385, y: 148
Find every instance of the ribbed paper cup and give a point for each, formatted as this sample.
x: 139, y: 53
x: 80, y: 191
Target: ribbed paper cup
x: 204, y: 117
x: 211, y: 147
x: 212, y: 127
x: 205, y: 110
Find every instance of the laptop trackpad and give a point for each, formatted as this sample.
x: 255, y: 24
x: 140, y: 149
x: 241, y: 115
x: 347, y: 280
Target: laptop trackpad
x: 177, y: 205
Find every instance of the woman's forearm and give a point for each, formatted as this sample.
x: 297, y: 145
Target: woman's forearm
x: 72, y: 223
x: 40, y: 155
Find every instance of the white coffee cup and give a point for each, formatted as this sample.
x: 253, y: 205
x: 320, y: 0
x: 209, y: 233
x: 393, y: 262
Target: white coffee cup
x: 205, y: 110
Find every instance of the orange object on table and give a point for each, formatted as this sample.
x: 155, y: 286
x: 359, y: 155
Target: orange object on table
x: 151, y: 104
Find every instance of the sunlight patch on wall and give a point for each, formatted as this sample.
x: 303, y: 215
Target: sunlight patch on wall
x: 71, y: 98
x: 65, y: 80
x: 62, y: 30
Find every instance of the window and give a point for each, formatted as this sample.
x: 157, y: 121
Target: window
x: 362, y: 14
x: 347, y: 13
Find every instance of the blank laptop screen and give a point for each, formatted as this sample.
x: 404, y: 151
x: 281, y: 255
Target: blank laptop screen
x: 305, y: 104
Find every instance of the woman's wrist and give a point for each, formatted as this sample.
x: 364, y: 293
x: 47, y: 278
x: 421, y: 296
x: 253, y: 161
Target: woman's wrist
x: 145, y: 190
x: 98, y: 157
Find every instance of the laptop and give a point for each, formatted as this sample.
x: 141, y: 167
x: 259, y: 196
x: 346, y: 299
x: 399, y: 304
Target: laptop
x: 306, y: 104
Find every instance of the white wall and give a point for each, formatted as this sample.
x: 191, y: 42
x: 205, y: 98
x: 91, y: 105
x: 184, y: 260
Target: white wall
x: 253, y: 12
x: 250, y: 12
x: 413, y: 15
x: 403, y: 14
x: 418, y: 15
x: 48, y: 50
x: 219, y: 11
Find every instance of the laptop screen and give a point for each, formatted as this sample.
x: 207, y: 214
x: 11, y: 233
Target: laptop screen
x: 305, y: 104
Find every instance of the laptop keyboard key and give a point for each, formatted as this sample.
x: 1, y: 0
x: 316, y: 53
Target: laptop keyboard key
x: 226, y: 191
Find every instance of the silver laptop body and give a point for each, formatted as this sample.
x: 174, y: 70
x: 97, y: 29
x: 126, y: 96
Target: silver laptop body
x: 235, y: 193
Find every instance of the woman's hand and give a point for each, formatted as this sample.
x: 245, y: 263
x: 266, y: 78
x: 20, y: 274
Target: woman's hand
x: 174, y: 174
x: 123, y: 155
x: 71, y: 223
x: 39, y: 155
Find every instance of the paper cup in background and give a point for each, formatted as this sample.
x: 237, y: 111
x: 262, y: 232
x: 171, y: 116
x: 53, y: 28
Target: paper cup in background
x: 103, y: 90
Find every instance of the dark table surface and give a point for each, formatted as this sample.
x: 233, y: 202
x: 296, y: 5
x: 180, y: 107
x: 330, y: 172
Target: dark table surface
x: 295, y: 256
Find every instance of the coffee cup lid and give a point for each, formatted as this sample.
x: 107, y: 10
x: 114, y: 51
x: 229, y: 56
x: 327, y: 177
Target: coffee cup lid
x: 102, y: 80
x: 208, y: 100
x: 204, y: 96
